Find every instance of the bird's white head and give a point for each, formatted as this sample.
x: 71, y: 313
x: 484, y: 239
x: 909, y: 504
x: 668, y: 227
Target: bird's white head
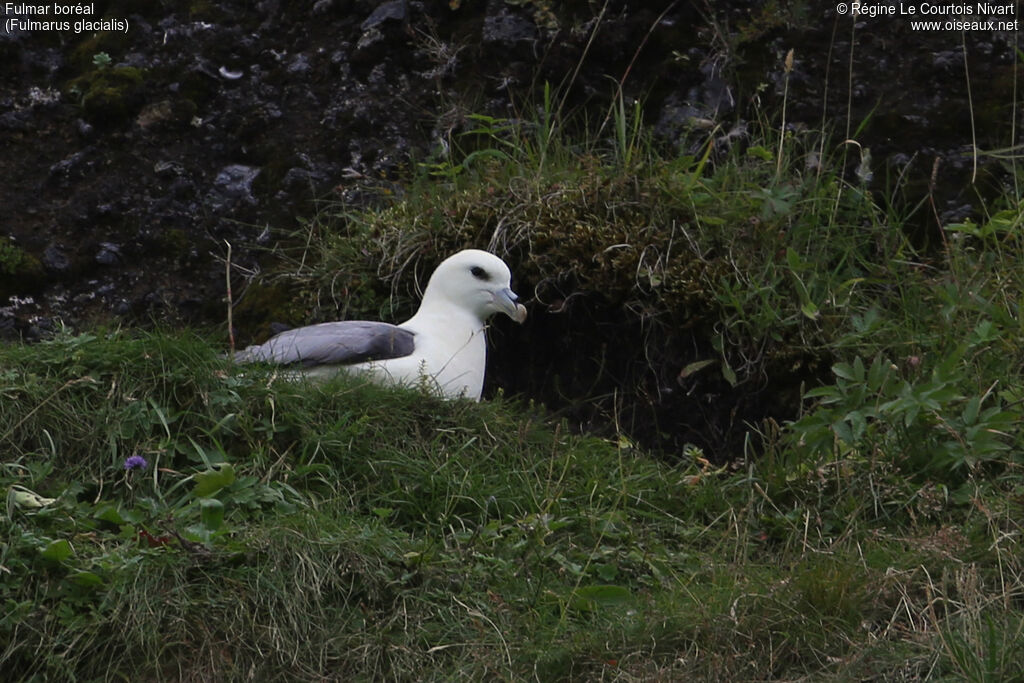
x: 476, y: 281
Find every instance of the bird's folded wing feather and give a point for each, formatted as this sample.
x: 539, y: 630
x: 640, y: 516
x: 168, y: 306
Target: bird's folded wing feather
x: 337, y: 343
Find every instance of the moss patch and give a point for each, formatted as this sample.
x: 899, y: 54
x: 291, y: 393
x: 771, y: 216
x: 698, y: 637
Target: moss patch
x: 20, y: 271
x: 109, y: 96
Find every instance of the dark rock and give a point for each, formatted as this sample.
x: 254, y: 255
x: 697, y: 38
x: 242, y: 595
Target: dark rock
x: 155, y: 114
x: 381, y: 29
x: 40, y: 328
x: 378, y: 77
x: 109, y: 254
x: 55, y: 260
x: 302, y: 179
x: 233, y: 187
x: 394, y: 10
x: 18, y: 120
x: 506, y: 29
x: 948, y: 59
x: 957, y: 213
x: 8, y: 331
x: 370, y: 45
x: 299, y: 65
x: 168, y: 169
x: 71, y: 167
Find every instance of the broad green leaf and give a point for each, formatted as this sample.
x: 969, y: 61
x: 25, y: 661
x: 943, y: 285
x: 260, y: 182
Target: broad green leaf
x: 212, y: 513
x: 858, y: 369
x: 858, y: 424
x: 86, y: 579
x: 843, y: 370
x: 877, y: 373
x: 57, y: 551
x: 590, y: 598
x: 829, y: 392
x: 110, y: 513
x: 843, y: 431
x: 213, y: 480
x: 133, y: 515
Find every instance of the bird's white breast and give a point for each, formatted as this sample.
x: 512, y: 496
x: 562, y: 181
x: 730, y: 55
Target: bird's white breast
x: 451, y: 363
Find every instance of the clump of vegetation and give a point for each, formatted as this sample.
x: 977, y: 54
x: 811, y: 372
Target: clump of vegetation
x: 109, y: 94
x: 17, y: 267
x: 665, y: 278
x: 12, y: 258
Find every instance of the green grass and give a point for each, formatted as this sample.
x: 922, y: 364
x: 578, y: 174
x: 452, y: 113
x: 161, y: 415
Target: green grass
x: 386, y: 535
x: 347, y: 532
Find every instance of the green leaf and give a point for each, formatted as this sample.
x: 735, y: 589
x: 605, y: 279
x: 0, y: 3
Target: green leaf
x: 858, y: 423
x: 829, y: 392
x: 211, y: 513
x: 843, y: 370
x: 858, y: 369
x: 794, y: 262
x: 110, y: 513
x: 133, y: 516
x: 695, y: 367
x: 590, y: 598
x: 213, y: 480
x: 970, y: 415
x: 86, y: 579
x: 729, y: 374
x: 57, y: 551
x: 911, y: 415
x: 843, y: 431
x: 760, y: 152
x: 810, y: 310
x: 877, y: 373
x: 984, y: 332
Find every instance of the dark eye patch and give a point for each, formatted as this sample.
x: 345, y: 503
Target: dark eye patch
x: 480, y: 273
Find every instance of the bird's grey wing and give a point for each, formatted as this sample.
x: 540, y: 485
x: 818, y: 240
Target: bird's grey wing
x: 338, y: 343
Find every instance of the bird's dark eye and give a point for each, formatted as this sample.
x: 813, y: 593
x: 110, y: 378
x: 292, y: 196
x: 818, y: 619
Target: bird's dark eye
x: 479, y: 273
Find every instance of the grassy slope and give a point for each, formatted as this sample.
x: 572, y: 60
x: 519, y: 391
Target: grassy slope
x: 371, y: 534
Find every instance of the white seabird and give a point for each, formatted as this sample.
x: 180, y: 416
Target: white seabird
x: 442, y: 345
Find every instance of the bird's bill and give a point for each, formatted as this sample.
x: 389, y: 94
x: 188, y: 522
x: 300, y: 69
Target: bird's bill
x: 507, y: 303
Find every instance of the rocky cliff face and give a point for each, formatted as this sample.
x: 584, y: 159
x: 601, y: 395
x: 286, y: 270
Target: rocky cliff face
x: 131, y: 156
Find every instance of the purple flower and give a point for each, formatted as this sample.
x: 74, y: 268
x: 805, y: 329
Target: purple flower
x: 135, y: 462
